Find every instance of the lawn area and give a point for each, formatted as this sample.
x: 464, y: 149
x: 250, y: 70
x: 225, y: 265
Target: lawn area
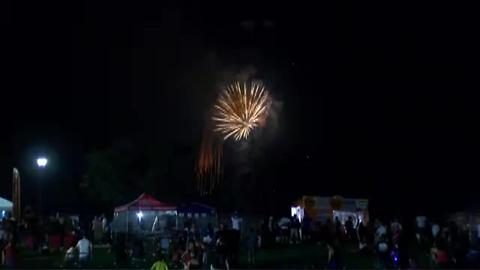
x: 281, y: 257
x: 315, y: 256
x: 102, y: 259
x: 309, y: 256
x: 301, y: 256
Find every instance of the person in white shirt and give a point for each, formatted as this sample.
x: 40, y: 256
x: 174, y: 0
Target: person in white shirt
x: 421, y: 222
x: 85, y: 249
x: 207, y: 240
x: 381, y: 230
x: 435, y: 230
x: 236, y: 221
x: 270, y: 224
x: 104, y: 223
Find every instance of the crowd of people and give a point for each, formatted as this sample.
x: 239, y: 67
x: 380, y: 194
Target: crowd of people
x: 42, y: 235
x: 394, y: 244
x: 212, y: 246
x: 216, y: 247
x: 401, y: 245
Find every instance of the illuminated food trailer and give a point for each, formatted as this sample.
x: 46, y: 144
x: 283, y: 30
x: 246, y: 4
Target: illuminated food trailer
x: 321, y: 209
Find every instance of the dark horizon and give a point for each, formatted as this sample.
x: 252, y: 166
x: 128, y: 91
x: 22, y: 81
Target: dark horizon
x: 373, y: 101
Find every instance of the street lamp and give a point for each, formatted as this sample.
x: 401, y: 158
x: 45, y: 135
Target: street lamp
x: 42, y: 162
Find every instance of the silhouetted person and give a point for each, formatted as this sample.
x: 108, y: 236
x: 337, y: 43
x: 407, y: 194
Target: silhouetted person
x: 403, y: 255
x: 338, y: 227
x: 222, y: 249
x: 333, y: 260
x: 383, y: 252
x: 306, y: 228
x: 9, y: 254
x: 138, y: 250
x: 251, y: 244
x: 120, y: 251
x: 284, y: 225
x: 70, y: 257
x: 362, y: 233
x: 349, y: 228
x: 295, y: 230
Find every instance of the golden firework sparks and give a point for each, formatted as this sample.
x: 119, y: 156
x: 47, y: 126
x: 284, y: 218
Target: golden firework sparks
x: 240, y: 108
x: 208, y: 169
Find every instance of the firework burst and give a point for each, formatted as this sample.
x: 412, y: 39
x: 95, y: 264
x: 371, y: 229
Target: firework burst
x: 240, y: 108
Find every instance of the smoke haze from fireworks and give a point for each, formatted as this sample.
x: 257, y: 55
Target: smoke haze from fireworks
x: 240, y: 108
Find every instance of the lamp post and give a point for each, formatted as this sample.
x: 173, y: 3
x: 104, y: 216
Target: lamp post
x: 16, y: 194
x: 41, y: 164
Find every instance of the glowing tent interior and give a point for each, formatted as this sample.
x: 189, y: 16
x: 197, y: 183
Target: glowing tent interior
x: 5, y: 207
x: 144, y: 215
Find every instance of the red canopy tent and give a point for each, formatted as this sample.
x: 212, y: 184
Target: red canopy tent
x: 143, y: 213
x: 146, y: 203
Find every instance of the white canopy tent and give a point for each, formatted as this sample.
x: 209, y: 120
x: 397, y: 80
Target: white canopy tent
x: 5, y: 206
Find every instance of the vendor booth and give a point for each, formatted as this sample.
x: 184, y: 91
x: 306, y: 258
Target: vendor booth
x: 320, y: 209
x: 199, y: 214
x: 5, y: 207
x: 145, y: 215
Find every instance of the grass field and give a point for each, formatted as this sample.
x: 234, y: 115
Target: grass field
x: 282, y: 257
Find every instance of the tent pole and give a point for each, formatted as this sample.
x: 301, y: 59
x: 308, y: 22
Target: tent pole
x: 127, y: 222
x: 176, y: 220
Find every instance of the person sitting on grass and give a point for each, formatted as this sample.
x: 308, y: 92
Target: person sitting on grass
x: 44, y: 249
x: 186, y: 259
x: 70, y: 256
x: 383, y: 252
x: 439, y: 254
x: 137, y: 253
x: 333, y: 261
x: 8, y: 256
x: 120, y: 251
x: 160, y: 263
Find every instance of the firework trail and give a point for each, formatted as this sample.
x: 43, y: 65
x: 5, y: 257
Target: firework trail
x: 209, y: 167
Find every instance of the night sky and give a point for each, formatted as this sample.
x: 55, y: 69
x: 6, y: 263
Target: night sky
x: 374, y: 100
